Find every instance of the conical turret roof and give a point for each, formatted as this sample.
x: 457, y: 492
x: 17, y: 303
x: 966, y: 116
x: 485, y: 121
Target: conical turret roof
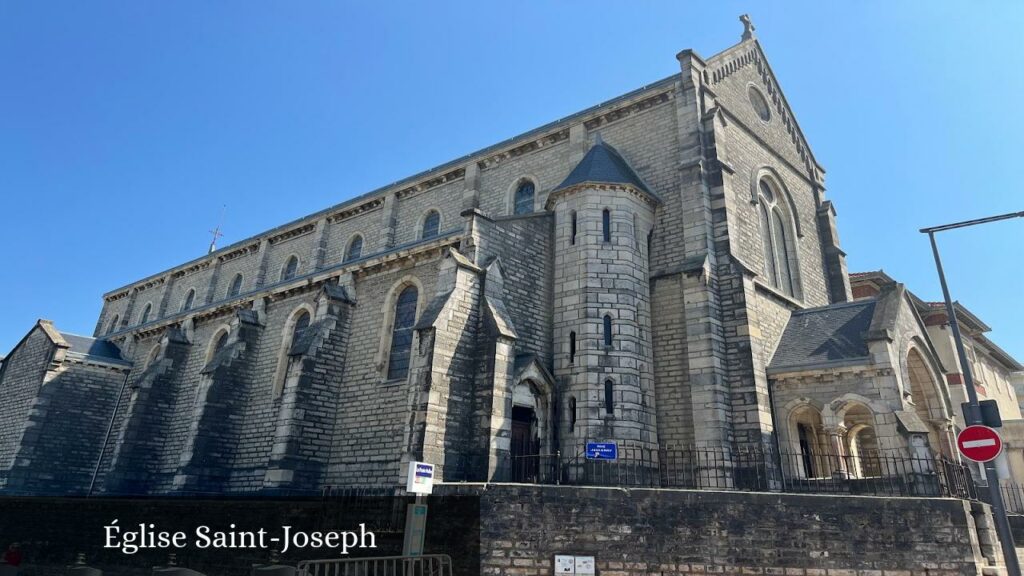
x: 603, y: 165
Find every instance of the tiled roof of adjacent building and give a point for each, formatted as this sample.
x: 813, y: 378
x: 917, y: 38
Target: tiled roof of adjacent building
x: 604, y: 165
x: 826, y: 335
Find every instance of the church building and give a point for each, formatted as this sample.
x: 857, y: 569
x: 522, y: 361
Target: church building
x: 662, y: 271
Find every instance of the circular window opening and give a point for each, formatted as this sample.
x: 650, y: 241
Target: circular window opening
x: 760, y: 104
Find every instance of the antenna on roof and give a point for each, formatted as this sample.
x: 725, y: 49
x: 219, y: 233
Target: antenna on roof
x: 216, y: 231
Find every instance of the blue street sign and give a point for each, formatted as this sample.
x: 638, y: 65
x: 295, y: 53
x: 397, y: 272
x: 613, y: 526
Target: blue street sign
x: 602, y: 451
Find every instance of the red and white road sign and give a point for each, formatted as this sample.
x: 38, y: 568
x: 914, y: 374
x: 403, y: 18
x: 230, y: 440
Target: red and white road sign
x: 979, y: 443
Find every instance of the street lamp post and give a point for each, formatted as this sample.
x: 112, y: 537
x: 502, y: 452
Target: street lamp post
x: 973, y: 414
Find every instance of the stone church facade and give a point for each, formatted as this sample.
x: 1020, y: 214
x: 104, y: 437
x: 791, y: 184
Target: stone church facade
x: 660, y: 270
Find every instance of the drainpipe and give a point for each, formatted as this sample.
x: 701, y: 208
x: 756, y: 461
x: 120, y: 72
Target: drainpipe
x: 775, y: 428
x: 110, y: 428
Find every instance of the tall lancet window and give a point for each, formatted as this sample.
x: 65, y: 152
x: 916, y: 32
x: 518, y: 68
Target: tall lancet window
x: 401, y: 334
x: 777, y: 240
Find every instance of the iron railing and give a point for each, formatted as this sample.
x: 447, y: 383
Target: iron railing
x: 426, y: 565
x: 1013, y: 497
x: 807, y: 470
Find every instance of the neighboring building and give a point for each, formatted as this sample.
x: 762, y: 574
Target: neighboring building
x: 662, y: 270
x: 994, y: 371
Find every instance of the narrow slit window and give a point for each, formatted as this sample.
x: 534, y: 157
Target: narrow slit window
x: 607, y: 330
x: 606, y: 224
x: 572, y: 238
x: 572, y: 414
x: 609, y: 393
x: 572, y: 347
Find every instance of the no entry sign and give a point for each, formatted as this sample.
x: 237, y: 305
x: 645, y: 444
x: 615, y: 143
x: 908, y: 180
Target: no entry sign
x: 979, y: 443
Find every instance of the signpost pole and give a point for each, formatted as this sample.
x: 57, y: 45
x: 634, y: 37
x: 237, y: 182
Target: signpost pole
x: 974, y: 410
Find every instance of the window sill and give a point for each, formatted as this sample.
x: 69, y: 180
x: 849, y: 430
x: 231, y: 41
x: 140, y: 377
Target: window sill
x: 779, y: 294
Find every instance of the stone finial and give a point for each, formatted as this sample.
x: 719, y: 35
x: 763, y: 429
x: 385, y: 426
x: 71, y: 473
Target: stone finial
x: 748, y: 27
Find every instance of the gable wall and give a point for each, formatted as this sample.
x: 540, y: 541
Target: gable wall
x: 22, y: 377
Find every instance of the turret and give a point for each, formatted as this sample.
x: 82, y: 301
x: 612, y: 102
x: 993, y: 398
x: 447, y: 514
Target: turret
x: 604, y: 213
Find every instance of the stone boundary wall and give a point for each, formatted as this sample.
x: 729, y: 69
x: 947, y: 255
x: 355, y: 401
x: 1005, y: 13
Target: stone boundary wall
x: 657, y: 531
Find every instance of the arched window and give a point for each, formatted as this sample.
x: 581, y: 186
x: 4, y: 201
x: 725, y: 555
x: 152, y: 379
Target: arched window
x: 523, y: 201
x: 572, y: 413
x: 355, y: 249
x: 609, y: 393
x: 572, y: 347
x: 572, y: 238
x: 236, y: 286
x: 219, y: 341
x: 607, y: 330
x: 152, y: 357
x: 145, y: 313
x: 113, y: 324
x: 190, y: 298
x: 297, y: 323
x: 776, y: 241
x: 401, y: 333
x: 606, y: 225
x: 768, y: 245
x: 290, y: 268
x: 431, y: 225
x: 301, y: 323
x: 785, y: 279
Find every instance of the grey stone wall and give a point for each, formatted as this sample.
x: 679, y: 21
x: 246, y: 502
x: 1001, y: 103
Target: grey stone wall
x: 642, y: 532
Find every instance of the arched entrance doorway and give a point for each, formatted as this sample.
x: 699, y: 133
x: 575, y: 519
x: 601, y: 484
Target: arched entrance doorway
x: 529, y: 431
x: 927, y: 399
x: 862, y: 442
x: 808, y: 444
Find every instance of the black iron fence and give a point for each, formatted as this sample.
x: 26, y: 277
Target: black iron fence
x: 807, y: 470
x: 1013, y: 497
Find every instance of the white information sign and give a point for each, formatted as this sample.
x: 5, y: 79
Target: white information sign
x: 420, y: 479
x: 584, y: 565
x: 575, y: 565
x: 565, y: 565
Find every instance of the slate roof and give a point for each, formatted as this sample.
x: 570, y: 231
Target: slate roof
x: 92, y: 347
x: 830, y: 334
x: 603, y: 164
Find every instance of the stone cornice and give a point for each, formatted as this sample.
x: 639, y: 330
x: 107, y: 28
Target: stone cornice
x: 292, y: 233
x: 646, y: 197
x: 420, y: 251
x: 434, y: 182
x: 549, y: 134
x: 342, y: 215
x: 629, y: 110
x: 243, y: 251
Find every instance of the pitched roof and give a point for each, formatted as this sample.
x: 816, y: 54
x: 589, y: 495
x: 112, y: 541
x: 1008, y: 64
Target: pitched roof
x: 93, y: 348
x: 826, y: 335
x: 603, y: 165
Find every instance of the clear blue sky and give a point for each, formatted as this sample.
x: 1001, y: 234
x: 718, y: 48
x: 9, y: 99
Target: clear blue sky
x: 125, y: 126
